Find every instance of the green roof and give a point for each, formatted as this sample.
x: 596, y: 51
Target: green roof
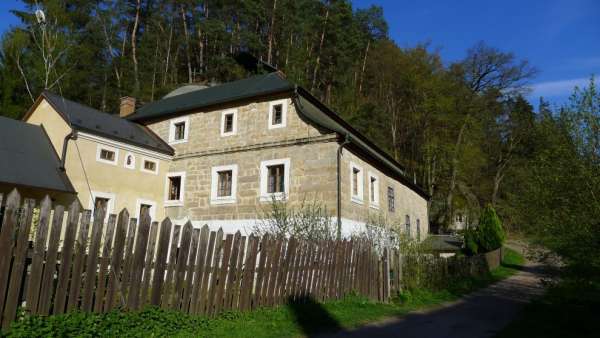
x: 254, y: 86
x: 88, y: 119
x: 28, y: 158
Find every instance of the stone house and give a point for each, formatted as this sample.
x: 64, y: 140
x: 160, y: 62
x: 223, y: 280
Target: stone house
x: 221, y: 154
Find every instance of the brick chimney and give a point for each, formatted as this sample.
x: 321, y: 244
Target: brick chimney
x: 127, y: 106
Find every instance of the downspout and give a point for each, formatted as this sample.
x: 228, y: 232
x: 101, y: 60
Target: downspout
x: 70, y: 136
x: 339, y: 185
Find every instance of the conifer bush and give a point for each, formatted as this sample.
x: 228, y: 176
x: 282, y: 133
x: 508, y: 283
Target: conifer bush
x: 490, y: 232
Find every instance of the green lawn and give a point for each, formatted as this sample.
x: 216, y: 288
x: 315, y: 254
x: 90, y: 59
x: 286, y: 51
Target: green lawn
x: 290, y: 320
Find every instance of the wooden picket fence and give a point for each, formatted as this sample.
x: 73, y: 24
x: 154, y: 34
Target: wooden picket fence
x: 50, y: 265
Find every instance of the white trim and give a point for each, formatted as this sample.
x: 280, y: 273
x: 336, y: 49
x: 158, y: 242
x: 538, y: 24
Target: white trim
x: 186, y: 130
x: 264, y: 195
x: 138, y: 204
x: 129, y: 166
x: 233, y: 131
x: 121, y: 145
x: 214, y: 199
x: 111, y: 202
x: 375, y: 203
x: 360, y: 180
x: 283, y: 123
x: 179, y: 202
x: 101, y: 147
x: 143, y: 162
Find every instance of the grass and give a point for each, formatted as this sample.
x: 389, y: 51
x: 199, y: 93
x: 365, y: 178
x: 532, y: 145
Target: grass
x: 569, y: 309
x: 295, y: 319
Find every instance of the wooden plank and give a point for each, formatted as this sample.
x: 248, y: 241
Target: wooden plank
x: 264, y: 252
x: 91, y: 265
x: 316, y: 270
x: 128, y: 260
x: 214, y: 277
x: 275, y: 263
x: 283, y: 276
x: 80, y: 252
x: 37, y: 261
x: 50, y: 267
x: 148, y: 264
x: 235, y: 297
x: 116, y: 263
x: 199, y: 269
x: 189, y: 272
x: 158, y: 278
x: 247, y: 286
x: 104, y: 259
x: 308, y: 271
x: 171, y: 265
x: 231, y: 266
x: 7, y: 235
x: 60, y: 299
x: 202, y: 302
x: 182, y: 258
x: 137, y: 271
x: 16, y: 274
x: 222, y: 275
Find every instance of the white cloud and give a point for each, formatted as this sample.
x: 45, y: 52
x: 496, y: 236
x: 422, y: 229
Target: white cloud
x: 557, y: 88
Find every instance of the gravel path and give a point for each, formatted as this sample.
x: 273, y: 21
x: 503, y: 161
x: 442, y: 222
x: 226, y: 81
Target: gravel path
x: 480, y: 314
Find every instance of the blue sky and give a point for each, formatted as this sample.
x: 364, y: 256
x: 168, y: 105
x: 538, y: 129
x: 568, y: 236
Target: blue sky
x: 561, y: 38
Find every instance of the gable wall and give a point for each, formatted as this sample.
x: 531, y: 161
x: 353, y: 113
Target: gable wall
x: 86, y: 173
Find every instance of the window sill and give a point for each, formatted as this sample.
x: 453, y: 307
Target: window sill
x: 271, y: 197
x: 357, y: 200
x: 178, y: 141
x: 173, y: 204
x: 276, y: 126
x: 374, y: 206
x: 228, y: 134
x: 106, y: 161
x: 223, y: 200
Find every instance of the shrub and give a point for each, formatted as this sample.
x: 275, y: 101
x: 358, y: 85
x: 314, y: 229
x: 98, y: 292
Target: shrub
x: 490, y: 232
x: 471, y: 240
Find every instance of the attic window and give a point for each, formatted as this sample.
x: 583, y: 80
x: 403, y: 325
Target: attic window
x: 107, y: 154
x: 179, y: 130
x: 277, y: 114
x: 150, y: 166
x: 229, y: 122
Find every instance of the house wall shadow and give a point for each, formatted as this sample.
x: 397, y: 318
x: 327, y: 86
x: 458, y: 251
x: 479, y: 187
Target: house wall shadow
x: 312, y: 317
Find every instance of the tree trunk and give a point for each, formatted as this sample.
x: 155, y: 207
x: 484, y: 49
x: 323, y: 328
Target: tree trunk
x: 454, y: 164
x: 316, y: 69
x: 271, y: 33
x: 136, y: 74
x: 187, y: 45
x: 364, y: 66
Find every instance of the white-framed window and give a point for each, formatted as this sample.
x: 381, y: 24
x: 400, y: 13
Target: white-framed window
x: 174, y: 188
x: 106, y: 154
x: 129, y: 161
x: 149, y: 166
x: 356, y: 183
x: 179, y: 129
x: 142, y: 205
x: 274, y: 179
x: 277, y: 114
x: 223, y: 184
x: 229, y: 122
x: 373, y: 191
x: 391, y: 199
x: 105, y: 199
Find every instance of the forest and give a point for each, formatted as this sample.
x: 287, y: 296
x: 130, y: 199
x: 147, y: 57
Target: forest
x: 463, y: 129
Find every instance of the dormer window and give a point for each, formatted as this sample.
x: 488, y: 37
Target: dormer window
x: 229, y: 122
x: 277, y: 114
x: 179, y: 130
x: 107, y: 154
